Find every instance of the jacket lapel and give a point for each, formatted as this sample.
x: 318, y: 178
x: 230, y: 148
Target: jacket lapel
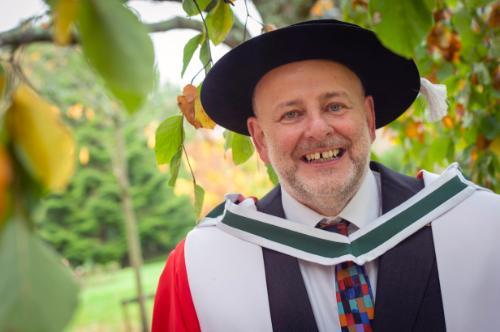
x: 403, y: 272
x: 285, y: 285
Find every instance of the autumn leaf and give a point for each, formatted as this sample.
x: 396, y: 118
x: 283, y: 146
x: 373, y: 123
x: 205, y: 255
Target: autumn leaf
x: 5, y: 180
x: 190, y: 105
x: 320, y: 7
x: 186, y: 102
x: 448, y: 122
x: 415, y: 130
x: 268, y: 27
x: 445, y: 42
x: 84, y: 155
x: 43, y: 144
x: 200, y: 115
x: 65, y: 13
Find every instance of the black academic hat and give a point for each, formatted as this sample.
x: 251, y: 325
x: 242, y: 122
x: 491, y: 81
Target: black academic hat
x: 391, y: 79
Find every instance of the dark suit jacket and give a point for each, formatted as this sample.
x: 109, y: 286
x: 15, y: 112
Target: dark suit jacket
x: 408, y: 291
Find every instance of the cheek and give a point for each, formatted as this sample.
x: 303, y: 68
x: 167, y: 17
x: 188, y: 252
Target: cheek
x: 281, y: 145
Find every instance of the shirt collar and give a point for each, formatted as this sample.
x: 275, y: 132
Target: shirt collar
x: 362, y: 209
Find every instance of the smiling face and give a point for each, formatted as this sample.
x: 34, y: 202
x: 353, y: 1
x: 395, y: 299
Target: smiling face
x: 315, y: 126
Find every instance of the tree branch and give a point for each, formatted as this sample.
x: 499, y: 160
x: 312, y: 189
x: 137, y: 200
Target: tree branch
x: 34, y: 34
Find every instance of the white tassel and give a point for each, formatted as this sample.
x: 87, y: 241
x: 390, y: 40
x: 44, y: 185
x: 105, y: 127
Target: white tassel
x: 437, y: 107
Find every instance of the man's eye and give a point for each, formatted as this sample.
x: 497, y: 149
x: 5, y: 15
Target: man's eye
x: 335, y: 107
x: 291, y: 115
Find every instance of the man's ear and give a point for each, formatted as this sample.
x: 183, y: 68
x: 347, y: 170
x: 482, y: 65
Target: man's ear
x: 258, y: 138
x: 370, y: 115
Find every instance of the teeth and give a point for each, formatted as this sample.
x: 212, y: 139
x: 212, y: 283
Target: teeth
x: 323, y: 155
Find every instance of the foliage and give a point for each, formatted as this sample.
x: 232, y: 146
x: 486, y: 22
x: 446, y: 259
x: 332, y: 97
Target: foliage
x: 84, y: 222
x: 452, y: 42
x: 31, y: 264
x: 38, y: 153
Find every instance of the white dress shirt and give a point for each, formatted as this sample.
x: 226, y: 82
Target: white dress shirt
x: 362, y: 209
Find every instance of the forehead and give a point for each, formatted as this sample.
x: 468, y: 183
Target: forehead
x: 303, y: 77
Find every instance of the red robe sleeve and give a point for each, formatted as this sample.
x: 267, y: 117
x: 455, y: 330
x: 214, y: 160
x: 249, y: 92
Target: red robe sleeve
x: 174, y: 308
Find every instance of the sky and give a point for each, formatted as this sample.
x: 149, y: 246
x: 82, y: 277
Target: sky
x: 168, y: 45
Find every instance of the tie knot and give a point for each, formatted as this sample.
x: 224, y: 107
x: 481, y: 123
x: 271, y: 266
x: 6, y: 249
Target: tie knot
x: 339, y: 226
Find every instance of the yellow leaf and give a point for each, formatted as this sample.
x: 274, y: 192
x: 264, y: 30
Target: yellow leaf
x: 190, y: 104
x: 200, y: 115
x: 42, y: 142
x: 65, y: 12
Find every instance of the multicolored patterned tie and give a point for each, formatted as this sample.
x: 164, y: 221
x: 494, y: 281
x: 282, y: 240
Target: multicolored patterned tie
x: 354, y: 294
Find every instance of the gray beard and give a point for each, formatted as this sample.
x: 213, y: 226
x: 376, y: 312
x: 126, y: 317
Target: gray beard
x: 324, y: 199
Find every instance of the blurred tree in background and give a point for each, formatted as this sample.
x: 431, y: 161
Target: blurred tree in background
x: 85, y: 222
x: 454, y: 42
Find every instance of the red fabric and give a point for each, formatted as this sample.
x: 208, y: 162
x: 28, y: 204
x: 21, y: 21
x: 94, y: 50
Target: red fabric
x: 174, y: 308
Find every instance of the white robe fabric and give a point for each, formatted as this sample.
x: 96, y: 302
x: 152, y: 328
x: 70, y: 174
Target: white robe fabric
x: 222, y: 270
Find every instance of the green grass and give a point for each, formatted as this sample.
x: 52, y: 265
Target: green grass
x: 101, y: 295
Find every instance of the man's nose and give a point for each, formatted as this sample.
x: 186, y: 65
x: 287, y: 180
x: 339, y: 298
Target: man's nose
x: 318, y: 127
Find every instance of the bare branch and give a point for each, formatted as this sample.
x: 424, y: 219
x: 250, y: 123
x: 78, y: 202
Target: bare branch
x: 34, y: 34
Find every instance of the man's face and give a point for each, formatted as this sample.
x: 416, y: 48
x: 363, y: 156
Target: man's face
x: 315, y: 126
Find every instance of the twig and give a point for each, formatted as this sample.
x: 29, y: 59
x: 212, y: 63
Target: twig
x: 206, y: 31
x: 199, y: 71
x: 246, y: 21
x: 189, y: 164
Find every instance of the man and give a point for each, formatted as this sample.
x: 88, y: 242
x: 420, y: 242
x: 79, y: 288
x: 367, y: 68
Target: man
x: 341, y: 244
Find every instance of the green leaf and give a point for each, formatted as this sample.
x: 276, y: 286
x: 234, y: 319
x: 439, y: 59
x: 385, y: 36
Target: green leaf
x: 219, y: 22
x: 199, y: 195
x: 445, y: 71
x: 474, y: 4
x: 242, y: 148
x: 189, y: 50
x: 272, y: 174
x: 489, y: 126
x: 461, y: 21
x: 404, y: 24
x: 228, y: 139
x: 190, y: 7
x: 118, y: 46
x: 451, y: 3
x: 205, y: 55
x: 175, y: 165
x: 438, y: 150
x: 38, y: 292
x: 169, y: 139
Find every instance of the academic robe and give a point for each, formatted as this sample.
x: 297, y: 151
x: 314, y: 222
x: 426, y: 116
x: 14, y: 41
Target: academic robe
x: 408, y: 288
